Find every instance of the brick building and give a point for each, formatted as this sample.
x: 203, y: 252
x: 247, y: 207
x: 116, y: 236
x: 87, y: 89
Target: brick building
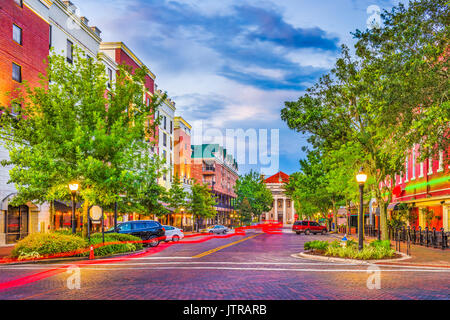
x: 212, y: 165
x: 31, y: 28
x: 425, y: 186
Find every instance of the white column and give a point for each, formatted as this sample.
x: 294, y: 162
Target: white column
x: 284, y: 211
x: 276, y: 209
x: 293, y: 210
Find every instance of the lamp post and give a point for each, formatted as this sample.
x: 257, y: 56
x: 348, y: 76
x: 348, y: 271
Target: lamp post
x: 361, y: 178
x: 73, y: 190
x: 182, y: 217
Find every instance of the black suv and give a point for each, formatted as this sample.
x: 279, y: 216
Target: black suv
x: 144, y: 229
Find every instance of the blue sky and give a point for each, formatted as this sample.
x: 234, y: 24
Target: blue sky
x: 232, y: 64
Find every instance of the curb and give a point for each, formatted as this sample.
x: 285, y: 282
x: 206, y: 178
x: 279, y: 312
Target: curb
x: 44, y: 261
x: 303, y: 255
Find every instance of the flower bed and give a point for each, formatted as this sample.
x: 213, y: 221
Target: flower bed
x: 374, y: 251
x: 38, y: 245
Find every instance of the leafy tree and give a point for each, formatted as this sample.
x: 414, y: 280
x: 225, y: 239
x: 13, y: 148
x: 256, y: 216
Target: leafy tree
x: 68, y: 129
x: 146, y: 196
x: 252, y: 187
x: 245, y: 211
x: 177, y: 196
x: 362, y: 103
x: 408, y: 61
x: 201, y: 203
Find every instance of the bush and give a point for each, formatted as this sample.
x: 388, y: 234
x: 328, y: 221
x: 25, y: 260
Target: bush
x: 316, y: 245
x: 39, y: 244
x: 368, y: 252
x: 381, y: 244
x: 115, y: 248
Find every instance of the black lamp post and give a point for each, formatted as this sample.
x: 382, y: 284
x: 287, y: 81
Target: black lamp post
x: 73, y: 190
x: 361, y: 177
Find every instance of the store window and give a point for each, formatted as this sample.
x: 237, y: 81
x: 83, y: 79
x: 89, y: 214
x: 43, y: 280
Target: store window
x: 16, y: 223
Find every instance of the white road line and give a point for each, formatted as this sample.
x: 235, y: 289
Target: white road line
x: 267, y: 269
x: 176, y: 263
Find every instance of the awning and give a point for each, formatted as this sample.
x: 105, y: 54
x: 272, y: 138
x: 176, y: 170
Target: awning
x: 393, y: 206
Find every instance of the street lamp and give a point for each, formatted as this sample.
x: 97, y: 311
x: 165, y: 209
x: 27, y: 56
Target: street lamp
x: 361, y: 178
x: 73, y: 190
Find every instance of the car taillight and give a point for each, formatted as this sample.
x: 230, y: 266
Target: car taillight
x: 181, y: 230
x: 164, y: 229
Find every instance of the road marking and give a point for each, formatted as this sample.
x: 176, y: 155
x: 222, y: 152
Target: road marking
x: 224, y: 246
x: 182, y: 263
x: 265, y: 269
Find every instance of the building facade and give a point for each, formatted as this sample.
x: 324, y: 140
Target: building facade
x: 35, y: 29
x: 283, y: 209
x: 425, y: 187
x: 182, y: 151
x: 213, y: 166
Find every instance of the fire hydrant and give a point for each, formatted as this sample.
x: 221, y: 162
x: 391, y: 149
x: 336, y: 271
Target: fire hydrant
x: 91, y: 252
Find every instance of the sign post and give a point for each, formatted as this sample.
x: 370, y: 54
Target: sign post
x: 95, y: 213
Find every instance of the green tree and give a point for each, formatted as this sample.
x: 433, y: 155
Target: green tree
x: 68, y: 129
x: 246, y: 212
x: 201, y: 204
x: 177, y: 196
x: 252, y: 187
x: 146, y: 196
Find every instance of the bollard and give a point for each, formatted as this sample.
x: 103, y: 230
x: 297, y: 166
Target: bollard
x: 426, y: 234
x: 91, y: 253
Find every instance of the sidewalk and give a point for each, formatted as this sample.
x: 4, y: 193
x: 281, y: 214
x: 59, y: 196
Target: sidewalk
x: 420, y: 255
x: 5, y: 250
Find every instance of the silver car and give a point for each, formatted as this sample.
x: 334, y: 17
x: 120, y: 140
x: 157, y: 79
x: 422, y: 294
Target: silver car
x: 218, y: 229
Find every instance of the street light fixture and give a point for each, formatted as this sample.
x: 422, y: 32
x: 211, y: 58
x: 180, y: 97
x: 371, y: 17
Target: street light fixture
x: 73, y: 190
x: 361, y: 178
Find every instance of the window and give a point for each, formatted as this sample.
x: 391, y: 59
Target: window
x: 109, y: 77
x: 165, y: 123
x: 16, y: 72
x: 171, y: 127
x: 164, y: 140
x: 430, y: 165
x: 19, y: 3
x: 17, y: 34
x: 49, y: 36
x: 421, y: 170
x: 124, y: 227
x: 441, y: 161
x: 406, y: 169
x: 69, y: 51
x: 15, y: 108
x: 170, y: 143
x: 413, y: 163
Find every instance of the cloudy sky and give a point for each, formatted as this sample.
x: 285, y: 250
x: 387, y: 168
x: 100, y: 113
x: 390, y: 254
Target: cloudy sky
x: 231, y: 64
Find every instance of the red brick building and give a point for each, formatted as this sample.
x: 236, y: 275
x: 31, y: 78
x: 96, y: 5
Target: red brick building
x: 24, y: 45
x: 426, y: 187
x: 212, y: 165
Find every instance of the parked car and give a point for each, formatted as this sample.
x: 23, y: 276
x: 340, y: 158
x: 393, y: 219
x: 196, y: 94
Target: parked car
x: 218, y: 229
x: 308, y: 227
x: 144, y: 229
x: 173, y: 233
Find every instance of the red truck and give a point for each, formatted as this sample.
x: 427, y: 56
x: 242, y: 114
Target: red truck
x: 308, y: 227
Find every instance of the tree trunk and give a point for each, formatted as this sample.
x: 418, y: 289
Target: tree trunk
x: 52, y: 216
x: 85, y: 218
x: 383, y: 219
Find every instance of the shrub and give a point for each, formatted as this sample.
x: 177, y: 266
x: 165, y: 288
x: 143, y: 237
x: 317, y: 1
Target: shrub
x: 40, y: 244
x: 115, y: 248
x: 352, y: 252
x: 316, y: 245
x: 381, y: 244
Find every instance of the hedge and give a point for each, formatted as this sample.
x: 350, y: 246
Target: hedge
x: 115, y: 248
x: 39, y: 244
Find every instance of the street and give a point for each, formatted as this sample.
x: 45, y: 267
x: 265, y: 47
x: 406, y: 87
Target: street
x: 254, y: 266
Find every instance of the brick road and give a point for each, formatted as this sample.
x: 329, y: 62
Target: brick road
x: 258, y: 267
